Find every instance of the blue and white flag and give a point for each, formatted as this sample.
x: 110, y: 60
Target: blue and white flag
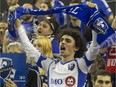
x: 89, y: 16
x: 13, y: 66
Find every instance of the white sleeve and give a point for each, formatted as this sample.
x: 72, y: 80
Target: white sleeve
x: 90, y: 55
x: 31, y: 51
x: 92, y: 51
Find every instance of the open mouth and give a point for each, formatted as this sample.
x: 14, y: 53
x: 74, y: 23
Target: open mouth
x: 62, y: 48
x: 39, y: 31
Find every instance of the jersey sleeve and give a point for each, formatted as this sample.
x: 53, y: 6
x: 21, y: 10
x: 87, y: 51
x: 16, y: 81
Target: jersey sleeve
x: 31, y: 51
x: 90, y: 55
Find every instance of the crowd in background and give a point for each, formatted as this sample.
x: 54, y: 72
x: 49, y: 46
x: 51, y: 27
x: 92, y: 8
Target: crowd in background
x: 43, y: 33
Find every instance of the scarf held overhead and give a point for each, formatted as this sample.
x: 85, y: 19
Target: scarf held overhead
x: 89, y: 16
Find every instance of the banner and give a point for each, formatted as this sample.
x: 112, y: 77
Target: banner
x: 13, y: 66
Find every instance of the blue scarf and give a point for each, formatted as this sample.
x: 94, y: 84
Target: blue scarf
x: 89, y: 16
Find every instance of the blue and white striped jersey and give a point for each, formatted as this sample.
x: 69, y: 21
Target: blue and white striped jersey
x: 60, y: 74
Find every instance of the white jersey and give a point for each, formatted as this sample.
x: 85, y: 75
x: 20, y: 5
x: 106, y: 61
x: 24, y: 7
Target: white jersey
x: 69, y: 74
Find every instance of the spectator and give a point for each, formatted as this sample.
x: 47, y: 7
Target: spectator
x: 114, y: 23
x: 3, y: 28
x: 74, y: 59
x: 72, y: 47
x: 104, y: 9
x: 44, y: 45
x: 60, y: 17
x: 77, y: 24
x: 74, y: 22
x: 36, y: 6
x: 98, y: 64
x: 102, y: 78
x: 28, y: 22
x: 33, y: 79
x: 48, y: 27
x: 7, y: 37
x: 14, y: 47
x: 45, y: 6
x: 111, y: 56
x: 10, y: 3
x: 37, y: 3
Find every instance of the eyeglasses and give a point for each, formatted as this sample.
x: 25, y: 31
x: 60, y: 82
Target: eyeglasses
x: 106, y: 82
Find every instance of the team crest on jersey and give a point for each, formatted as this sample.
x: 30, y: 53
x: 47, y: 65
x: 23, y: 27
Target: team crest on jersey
x: 71, y: 66
x: 100, y: 25
x: 70, y: 81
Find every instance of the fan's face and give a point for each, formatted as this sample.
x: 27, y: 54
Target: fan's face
x: 14, y: 49
x: 44, y: 29
x: 3, y: 27
x: 44, y: 6
x: 103, y: 81
x: 67, y: 46
x: 12, y: 2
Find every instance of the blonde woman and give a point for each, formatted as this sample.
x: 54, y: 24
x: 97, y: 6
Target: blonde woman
x: 43, y: 43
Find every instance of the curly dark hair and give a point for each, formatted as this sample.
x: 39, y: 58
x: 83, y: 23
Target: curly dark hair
x: 79, y: 40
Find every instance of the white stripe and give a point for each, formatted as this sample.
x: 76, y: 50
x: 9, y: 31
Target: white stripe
x: 82, y: 65
x: 91, y: 17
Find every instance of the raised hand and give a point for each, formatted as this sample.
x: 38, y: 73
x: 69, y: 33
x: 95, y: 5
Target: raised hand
x: 92, y: 5
x: 12, y: 8
x: 17, y: 23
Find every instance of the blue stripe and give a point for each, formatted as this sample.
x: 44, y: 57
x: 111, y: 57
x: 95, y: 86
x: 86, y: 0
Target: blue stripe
x: 81, y: 77
x: 41, y: 58
x: 88, y: 62
x: 55, y: 47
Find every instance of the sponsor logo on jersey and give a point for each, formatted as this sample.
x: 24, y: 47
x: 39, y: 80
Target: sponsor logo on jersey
x: 56, y: 81
x: 70, y: 81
